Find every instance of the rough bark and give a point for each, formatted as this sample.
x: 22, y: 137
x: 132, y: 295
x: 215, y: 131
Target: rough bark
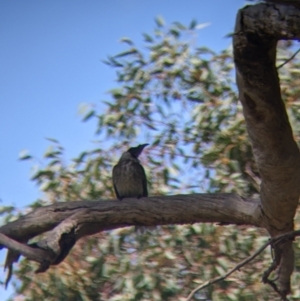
x: 258, y: 28
x: 65, y: 223
x: 286, y: 2
x: 90, y: 217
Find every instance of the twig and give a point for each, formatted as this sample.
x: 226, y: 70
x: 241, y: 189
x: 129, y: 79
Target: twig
x: 272, y: 242
x: 237, y: 267
x: 288, y: 60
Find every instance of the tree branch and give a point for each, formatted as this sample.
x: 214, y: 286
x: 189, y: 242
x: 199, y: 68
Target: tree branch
x: 65, y: 223
x: 95, y: 216
x: 30, y: 253
x: 258, y: 28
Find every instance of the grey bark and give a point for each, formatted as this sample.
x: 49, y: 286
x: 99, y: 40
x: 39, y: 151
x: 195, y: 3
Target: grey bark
x: 65, y: 223
x: 90, y: 217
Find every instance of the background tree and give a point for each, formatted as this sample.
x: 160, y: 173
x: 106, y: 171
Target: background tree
x: 183, y: 100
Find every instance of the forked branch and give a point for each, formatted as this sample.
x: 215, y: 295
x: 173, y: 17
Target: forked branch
x: 64, y: 223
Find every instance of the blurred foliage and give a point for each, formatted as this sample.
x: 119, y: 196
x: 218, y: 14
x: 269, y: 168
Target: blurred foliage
x: 182, y: 99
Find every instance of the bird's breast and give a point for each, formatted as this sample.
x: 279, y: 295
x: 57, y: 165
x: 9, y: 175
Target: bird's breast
x: 129, y: 181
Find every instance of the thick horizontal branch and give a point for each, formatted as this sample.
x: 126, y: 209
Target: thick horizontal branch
x: 65, y: 223
x: 94, y: 216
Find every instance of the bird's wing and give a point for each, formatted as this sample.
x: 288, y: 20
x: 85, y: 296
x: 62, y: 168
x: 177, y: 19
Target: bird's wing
x: 140, y: 170
x: 115, y: 175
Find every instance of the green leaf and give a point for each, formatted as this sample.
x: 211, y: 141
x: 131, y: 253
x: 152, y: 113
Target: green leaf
x: 147, y: 38
x: 112, y: 62
x: 52, y: 140
x: 43, y: 174
x: 52, y: 152
x: 175, y: 32
x: 6, y: 209
x: 126, y: 53
x: 160, y: 22
x: 127, y: 41
x: 193, y: 24
x: 89, y: 115
x: 179, y: 25
x: 81, y: 157
x: 24, y: 155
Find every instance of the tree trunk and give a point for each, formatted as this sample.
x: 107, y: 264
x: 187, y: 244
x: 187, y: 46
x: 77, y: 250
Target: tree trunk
x: 258, y: 28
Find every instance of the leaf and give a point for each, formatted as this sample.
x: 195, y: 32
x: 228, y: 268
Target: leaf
x: 24, y: 155
x: 193, y: 24
x: 43, y: 173
x: 147, y: 38
x: 117, y: 93
x: 83, y: 108
x: 81, y: 157
x: 127, y: 41
x: 229, y: 35
x: 112, y: 62
x: 175, y: 32
x: 202, y: 25
x: 52, y: 140
x: 89, y: 115
x: 126, y: 53
x: 6, y: 209
x: 160, y: 22
x: 46, y: 186
x: 51, y: 152
x: 179, y: 26
x: 54, y: 162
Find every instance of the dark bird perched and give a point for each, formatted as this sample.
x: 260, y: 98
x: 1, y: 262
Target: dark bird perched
x: 129, y: 178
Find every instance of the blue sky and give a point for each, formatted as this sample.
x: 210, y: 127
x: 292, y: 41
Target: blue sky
x: 50, y: 62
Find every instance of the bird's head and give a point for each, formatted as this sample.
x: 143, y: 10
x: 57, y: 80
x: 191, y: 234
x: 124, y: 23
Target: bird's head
x: 136, y: 151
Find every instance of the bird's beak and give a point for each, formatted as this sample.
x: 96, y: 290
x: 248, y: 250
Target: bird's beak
x: 144, y: 145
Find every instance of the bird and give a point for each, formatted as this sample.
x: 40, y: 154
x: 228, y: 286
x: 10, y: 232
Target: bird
x: 129, y: 177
